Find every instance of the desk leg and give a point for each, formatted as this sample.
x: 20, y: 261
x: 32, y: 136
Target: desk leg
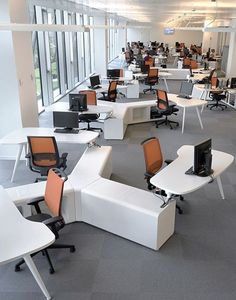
x: 183, y: 120
x: 199, y: 117
x: 167, y: 89
x: 220, y: 187
x: 17, y: 161
x: 37, y: 277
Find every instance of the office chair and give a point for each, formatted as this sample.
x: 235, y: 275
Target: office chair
x: 216, y: 96
x: 53, y: 199
x: 165, y: 109
x: 151, y: 80
x: 43, y: 155
x: 112, y: 92
x: 88, y: 118
x: 186, y: 63
x: 154, y: 161
x: 207, y: 79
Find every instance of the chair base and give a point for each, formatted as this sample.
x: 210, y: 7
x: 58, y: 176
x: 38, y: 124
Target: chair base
x: 91, y: 128
x: 150, y: 90
x: 166, y: 122
x: 45, y: 253
x: 217, y: 104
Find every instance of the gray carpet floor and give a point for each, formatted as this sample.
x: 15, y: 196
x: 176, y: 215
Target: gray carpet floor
x: 197, y: 262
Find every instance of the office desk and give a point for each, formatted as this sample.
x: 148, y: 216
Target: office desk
x: 20, y: 237
x: 19, y: 137
x: 187, y: 103
x: 173, y: 180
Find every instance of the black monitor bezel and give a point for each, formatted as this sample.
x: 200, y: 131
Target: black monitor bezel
x: 92, y: 80
x: 181, y: 88
x: 77, y: 102
x: 203, y: 148
x: 113, y: 73
x: 65, y: 119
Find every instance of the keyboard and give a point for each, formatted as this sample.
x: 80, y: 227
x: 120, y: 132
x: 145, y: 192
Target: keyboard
x: 184, y: 96
x: 66, y: 130
x: 95, y: 87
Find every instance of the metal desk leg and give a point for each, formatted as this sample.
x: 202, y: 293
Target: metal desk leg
x: 167, y: 89
x: 183, y: 120
x: 199, y: 117
x: 17, y: 161
x: 220, y: 187
x: 37, y: 277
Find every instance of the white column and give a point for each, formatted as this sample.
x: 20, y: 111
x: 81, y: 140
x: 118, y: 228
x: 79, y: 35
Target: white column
x: 231, y: 68
x: 100, y: 53
x: 17, y: 84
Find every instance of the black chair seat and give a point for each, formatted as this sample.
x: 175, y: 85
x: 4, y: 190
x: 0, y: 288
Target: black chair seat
x: 39, y: 217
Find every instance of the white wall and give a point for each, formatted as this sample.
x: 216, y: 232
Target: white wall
x: 183, y: 36
x: 138, y: 34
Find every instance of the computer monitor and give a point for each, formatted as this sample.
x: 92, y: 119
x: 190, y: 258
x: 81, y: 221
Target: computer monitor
x: 202, y: 160
x: 186, y: 89
x: 140, y: 44
x: 113, y: 73
x: 233, y: 83
x: 77, y: 102
x: 94, y: 80
x: 144, y: 68
x: 67, y: 121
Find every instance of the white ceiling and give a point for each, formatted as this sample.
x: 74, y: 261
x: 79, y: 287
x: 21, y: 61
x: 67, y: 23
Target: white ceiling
x: 167, y: 11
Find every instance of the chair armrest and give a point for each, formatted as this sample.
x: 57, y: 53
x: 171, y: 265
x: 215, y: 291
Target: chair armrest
x: 148, y: 175
x: 53, y: 220
x: 168, y: 161
x: 64, y: 155
x: 35, y: 203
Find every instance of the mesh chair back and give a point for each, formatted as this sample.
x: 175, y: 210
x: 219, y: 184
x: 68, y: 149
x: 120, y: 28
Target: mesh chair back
x: 214, y: 82
x: 150, y: 62
x: 54, y: 192
x: 112, y: 92
x: 91, y: 96
x: 152, y: 155
x: 193, y: 64
x: 152, y: 72
x: 44, y: 151
x: 162, y: 100
x: 186, y: 62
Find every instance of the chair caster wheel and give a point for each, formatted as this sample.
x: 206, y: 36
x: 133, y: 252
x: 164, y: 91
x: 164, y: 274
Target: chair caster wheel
x: 72, y: 249
x: 17, y: 269
x: 51, y: 271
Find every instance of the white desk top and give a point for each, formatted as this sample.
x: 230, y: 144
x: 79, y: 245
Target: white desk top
x: 18, y: 235
x: 173, y: 179
x: 186, y: 102
x: 19, y: 136
x: 92, y: 109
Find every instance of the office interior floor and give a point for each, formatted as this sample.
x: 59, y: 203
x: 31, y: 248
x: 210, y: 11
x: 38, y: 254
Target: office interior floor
x: 197, y: 262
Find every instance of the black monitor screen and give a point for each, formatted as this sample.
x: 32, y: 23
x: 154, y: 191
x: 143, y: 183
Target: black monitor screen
x: 113, y: 73
x: 202, y: 159
x: 77, y: 102
x: 140, y: 44
x: 186, y: 88
x: 94, y: 80
x: 66, y: 120
x: 144, y: 68
x: 233, y: 83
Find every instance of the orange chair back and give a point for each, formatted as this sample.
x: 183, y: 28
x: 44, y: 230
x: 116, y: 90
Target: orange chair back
x: 214, y: 82
x: 150, y: 62
x: 162, y: 100
x: 152, y: 155
x: 91, y: 96
x: 186, y: 62
x: 153, y: 72
x: 54, y: 192
x: 193, y: 64
x: 43, y: 150
x: 112, y: 92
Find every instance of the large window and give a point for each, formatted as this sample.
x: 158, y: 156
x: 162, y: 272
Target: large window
x: 62, y: 59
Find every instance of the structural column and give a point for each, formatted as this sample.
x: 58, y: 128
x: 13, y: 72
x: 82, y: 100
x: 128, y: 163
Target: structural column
x: 17, y: 82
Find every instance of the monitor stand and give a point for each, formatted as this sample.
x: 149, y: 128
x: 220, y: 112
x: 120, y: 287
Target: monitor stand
x: 66, y: 130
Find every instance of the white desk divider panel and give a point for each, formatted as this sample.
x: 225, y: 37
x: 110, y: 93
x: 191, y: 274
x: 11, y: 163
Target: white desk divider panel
x: 128, y: 212
x: 132, y: 213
